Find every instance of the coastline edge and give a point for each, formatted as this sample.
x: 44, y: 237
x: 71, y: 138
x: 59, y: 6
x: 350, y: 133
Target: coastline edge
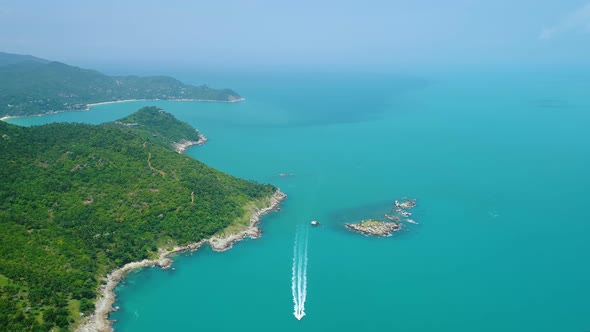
x: 89, y: 106
x: 99, y: 320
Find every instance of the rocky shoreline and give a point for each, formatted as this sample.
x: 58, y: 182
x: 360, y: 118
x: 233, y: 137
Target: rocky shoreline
x: 181, y: 146
x: 99, y: 321
x: 252, y: 231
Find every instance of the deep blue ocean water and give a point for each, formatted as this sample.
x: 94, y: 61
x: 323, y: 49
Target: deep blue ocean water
x: 497, y: 160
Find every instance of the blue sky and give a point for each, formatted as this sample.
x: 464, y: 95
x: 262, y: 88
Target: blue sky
x: 305, y: 33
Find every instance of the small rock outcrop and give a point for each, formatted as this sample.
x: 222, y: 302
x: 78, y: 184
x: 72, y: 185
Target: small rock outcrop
x: 393, y: 223
x: 374, y: 227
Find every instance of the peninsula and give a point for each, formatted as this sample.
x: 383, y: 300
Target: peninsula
x: 32, y: 86
x: 81, y: 205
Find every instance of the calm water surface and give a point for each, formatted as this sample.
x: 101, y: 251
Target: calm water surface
x: 498, y: 162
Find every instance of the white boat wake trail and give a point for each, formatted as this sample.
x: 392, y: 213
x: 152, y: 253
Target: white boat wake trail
x: 299, y: 272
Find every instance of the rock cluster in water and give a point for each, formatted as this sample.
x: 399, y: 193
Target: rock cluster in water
x: 394, y: 220
x: 374, y: 227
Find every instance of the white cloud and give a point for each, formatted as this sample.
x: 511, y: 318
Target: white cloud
x: 577, y: 21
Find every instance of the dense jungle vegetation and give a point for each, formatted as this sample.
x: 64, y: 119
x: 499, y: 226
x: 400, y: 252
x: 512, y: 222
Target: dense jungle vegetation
x: 78, y: 200
x: 30, y: 86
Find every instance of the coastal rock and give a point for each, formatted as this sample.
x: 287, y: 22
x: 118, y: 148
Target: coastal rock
x: 401, y: 210
x: 392, y: 218
x: 181, y: 146
x: 165, y: 263
x: 374, y: 227
x: 407, y: 204
x: 226, y: 242
x: 234, y: 99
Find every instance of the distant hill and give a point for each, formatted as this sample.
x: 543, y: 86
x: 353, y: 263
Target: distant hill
x: 38, y: 87
x: 78, y: 200
x: 11, y: 59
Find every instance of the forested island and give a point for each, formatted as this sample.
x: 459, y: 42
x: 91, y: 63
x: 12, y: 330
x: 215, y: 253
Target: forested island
x: 31, y: 86
x: 78, y: 201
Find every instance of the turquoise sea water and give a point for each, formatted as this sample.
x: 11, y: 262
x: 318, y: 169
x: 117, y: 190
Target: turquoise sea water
x: 498, y: 162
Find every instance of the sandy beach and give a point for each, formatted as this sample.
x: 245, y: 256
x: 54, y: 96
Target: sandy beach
x: 88, y: 106
x: 233, y: 100
x: 4, y: 118
x: 99, y: 322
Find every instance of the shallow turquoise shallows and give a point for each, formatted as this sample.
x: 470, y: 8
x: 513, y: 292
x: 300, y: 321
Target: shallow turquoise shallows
x: 499, y: 164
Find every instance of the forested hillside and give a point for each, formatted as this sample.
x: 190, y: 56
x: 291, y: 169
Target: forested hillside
x: 30, y: 87
x: 156, y: 125
x: 10, y: 59
x: 77, y: 201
